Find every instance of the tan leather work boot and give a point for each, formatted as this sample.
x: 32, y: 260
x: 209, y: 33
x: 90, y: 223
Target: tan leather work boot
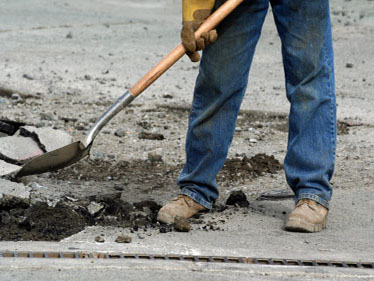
x: 308, y: 216
x: 181, y: 206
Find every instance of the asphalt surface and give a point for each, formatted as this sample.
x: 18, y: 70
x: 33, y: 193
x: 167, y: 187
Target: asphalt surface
x: 77, y: 38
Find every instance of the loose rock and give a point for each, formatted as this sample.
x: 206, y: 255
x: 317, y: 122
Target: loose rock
x: 237, y: 198
x: 150, y: 136
x: 181, y: 224
x: 120, y: 132
x: 349, y: 65
x: 99, y: 239
x: 123, y: 239
x: 155, y: 156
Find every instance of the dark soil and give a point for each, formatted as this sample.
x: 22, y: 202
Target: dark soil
x: 241, y: 169
x: 40, y: 222
x: 237, y: 198
x: 235, y: 170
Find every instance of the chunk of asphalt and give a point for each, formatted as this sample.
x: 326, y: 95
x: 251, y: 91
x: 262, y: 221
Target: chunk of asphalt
x: 9, y: 127
x: 17, y: 149
x: 181, y: 224
x: 13, y: 193
x: 7, y: 168
x: 49, y: 138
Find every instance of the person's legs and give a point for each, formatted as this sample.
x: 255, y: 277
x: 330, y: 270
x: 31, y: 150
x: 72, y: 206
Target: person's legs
x: 305, y: 31
x: 219, y: 90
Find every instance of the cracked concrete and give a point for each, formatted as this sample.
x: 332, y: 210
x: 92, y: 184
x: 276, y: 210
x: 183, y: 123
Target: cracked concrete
x: 7, y: 168
x: 51, y: 139
x: 13, y: 190
x: 17, y: 150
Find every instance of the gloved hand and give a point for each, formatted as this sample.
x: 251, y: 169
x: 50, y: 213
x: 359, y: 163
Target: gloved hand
x: 195, y: 12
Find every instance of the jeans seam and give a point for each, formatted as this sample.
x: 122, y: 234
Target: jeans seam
x: 196, y: 198
x: 314, y: 197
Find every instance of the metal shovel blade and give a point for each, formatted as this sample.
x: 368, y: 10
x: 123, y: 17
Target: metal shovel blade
x: 69, y: 154
x: 56, y: 159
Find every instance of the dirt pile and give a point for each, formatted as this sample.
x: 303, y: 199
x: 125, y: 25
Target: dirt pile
x: 237, y: 198
x: 159, y: 174
x: 41, y: 222
x: 241, y: 169
x: 48, y: 221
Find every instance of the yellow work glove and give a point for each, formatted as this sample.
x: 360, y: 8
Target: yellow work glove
x: 195, y: 12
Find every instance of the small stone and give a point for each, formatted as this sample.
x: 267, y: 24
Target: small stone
x: 167, y: 96
x: 16, y: 97
x: 349, y: 65
x: 99, y: 239
x: 141, y: 236
x: 155, y: 156
x: 123, y: 239
x: 28, y: 77
x: 151, y: 136
x: 69, y: 35
x: 253, y: 141
x: 181, y: 224
x: 120, y: 132
x: 88, y: 77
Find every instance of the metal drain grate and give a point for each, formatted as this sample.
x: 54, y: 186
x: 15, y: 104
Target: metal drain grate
x: 211, y: 259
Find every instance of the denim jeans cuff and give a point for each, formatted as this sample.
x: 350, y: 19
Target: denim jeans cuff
x: 314, y: 197
x: 197, y: 198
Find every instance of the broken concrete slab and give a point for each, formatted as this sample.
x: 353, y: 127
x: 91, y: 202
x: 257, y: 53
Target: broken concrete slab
x: 7, y: 168
x: 94, y: 208
x: 13, y: 193
x: 49, y: 138
x: 17, y: 149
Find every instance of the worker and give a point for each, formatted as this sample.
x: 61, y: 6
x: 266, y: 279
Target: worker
x: 304, y: 28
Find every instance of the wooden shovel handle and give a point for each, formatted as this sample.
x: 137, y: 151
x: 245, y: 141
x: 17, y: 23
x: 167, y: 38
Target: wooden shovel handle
x: 179, y: 51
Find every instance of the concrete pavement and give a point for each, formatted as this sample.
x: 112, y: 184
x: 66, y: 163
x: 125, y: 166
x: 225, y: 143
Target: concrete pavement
x: 56, y: 43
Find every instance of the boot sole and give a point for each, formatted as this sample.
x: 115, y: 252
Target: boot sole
x: 300, y: 226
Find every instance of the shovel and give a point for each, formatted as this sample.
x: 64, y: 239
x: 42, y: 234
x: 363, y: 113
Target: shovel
x: 69, y: 154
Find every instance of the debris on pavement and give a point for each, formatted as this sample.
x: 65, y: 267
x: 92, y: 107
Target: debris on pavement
x: 123, y: 239
x: 151, y: 136
x: 181, y: 224
x: 237, y: 198
x: 99, y: 239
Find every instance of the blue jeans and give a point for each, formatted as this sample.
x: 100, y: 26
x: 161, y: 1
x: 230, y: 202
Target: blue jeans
x: 305, y: 31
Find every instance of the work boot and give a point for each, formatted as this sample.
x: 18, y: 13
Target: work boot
x: 308, y: 216
x: 181, y: 206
